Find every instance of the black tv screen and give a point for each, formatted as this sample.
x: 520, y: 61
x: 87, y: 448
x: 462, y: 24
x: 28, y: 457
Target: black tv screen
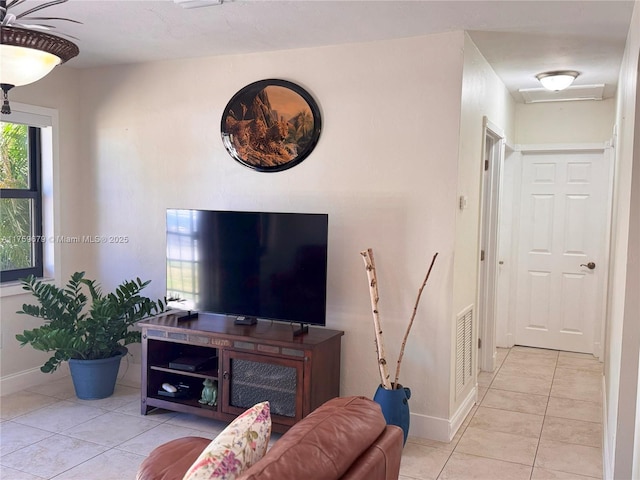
x: 250, y: 264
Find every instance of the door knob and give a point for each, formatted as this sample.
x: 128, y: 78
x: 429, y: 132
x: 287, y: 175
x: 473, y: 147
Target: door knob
x: 589, y: 265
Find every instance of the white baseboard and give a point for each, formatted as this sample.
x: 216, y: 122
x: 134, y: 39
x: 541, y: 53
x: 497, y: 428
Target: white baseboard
x: 432, y: 428
x: 607, y: 448
x: 33, y: 377
x: 129, y: 374
x: 511, y: 341
x: 462, y: 412
x: 442, y: 429
x: 597, y: 351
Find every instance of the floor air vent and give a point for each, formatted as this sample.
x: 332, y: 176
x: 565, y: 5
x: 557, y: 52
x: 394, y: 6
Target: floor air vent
x: 464, y: 339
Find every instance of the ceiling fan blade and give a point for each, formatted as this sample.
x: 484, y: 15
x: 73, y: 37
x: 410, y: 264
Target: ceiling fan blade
x: 197, y: 3
x: 40, y: 7
x: 9, y: 19
x: 36, y: 26
x: 41, y: 26
x: 54, y: 18
x: 14, y: 3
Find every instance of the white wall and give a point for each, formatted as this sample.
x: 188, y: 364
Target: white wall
x: 623, y: 330
x: 635, y: 471
x: 19, y: 366
x: 565, y: 122
x: 483, y: 94
x: 385, y: 169
x: 631, y: 345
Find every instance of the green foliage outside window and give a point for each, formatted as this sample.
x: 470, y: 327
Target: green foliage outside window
x: 14, y: 147
x: 15, y: 213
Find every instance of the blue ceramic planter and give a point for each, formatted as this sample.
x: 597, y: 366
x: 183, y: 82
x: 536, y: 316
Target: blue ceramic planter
x: 94, y: 379
x: 395, y: 406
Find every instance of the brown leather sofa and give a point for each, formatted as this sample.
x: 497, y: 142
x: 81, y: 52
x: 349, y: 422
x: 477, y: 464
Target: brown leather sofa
x: 346, y: 438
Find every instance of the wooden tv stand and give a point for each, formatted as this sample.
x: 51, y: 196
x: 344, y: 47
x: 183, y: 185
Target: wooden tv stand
x: 251, y: 364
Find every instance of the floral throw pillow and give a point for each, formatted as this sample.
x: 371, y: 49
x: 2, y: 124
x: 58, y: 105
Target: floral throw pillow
x: 240, y: 445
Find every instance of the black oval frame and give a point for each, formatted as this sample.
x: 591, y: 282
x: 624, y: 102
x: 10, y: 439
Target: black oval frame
x: 250, y: 92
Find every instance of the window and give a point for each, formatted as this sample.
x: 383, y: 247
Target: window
x: 25, y: 189
x: 20, y: 201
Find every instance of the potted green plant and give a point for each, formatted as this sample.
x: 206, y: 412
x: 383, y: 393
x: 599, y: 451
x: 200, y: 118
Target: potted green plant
x: 91, y: 336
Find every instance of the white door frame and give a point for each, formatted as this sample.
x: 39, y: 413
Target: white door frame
x: 607, y: 149
x: 493, y: 146
x: 509, y: 226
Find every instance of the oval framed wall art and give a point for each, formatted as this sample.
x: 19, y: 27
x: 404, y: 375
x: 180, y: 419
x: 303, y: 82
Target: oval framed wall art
x: 271, y: 125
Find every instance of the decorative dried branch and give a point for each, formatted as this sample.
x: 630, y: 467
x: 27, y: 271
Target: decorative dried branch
x: 367, y: 256
x: 415, y: 309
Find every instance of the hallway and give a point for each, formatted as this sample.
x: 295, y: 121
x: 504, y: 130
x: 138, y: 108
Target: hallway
x: 539, y: 417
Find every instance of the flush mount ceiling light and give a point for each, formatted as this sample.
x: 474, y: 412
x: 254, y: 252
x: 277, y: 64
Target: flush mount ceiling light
x: 558, y: 80
x: 27, y: 53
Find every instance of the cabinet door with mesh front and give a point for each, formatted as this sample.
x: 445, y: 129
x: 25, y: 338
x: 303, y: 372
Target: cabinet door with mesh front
x: 249, y: 379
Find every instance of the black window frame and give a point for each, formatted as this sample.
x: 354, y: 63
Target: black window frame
x: 34, y: 192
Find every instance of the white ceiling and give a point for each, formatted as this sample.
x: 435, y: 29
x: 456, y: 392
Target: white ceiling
x: 518, y: 38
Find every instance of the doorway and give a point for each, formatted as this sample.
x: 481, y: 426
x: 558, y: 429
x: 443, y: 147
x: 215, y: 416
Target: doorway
x: 560, y: 248
x: 493, y: 156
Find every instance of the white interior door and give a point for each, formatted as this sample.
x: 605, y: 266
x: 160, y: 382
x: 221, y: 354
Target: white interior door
x: 561, y: 249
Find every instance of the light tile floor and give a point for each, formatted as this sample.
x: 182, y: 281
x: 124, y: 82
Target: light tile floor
x: 46, y: 433
x: 538, y: 418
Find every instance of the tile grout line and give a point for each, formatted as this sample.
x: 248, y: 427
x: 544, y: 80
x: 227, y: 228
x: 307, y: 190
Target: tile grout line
x: 471, y: 419
x: 468, y: 424
x: 544, y: 418
x: 544, y: 414
x: 65, y: 432
x: 461, y: 432
x: 534, y: 457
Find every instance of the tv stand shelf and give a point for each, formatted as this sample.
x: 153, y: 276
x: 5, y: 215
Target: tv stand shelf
x: 201, y: 374
x: 296, y: 374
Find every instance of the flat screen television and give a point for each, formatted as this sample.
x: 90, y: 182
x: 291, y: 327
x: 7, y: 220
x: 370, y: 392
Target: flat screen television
x: 248, y: 264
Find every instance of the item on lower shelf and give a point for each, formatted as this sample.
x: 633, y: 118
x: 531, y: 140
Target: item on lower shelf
x: 181, y: 391
x: 194, y: 364
x: 209, y: 393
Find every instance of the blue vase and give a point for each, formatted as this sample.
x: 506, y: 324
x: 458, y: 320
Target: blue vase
x: 95, y: 379
x: 395, y: 406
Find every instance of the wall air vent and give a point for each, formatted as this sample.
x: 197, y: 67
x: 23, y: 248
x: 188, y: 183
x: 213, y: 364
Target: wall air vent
x: 464, y: 343
x: 578, y: 92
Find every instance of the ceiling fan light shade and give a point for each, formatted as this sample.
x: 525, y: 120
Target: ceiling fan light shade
x: 21, y: 66
x: 556, y: 81
x: 26, y: 55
